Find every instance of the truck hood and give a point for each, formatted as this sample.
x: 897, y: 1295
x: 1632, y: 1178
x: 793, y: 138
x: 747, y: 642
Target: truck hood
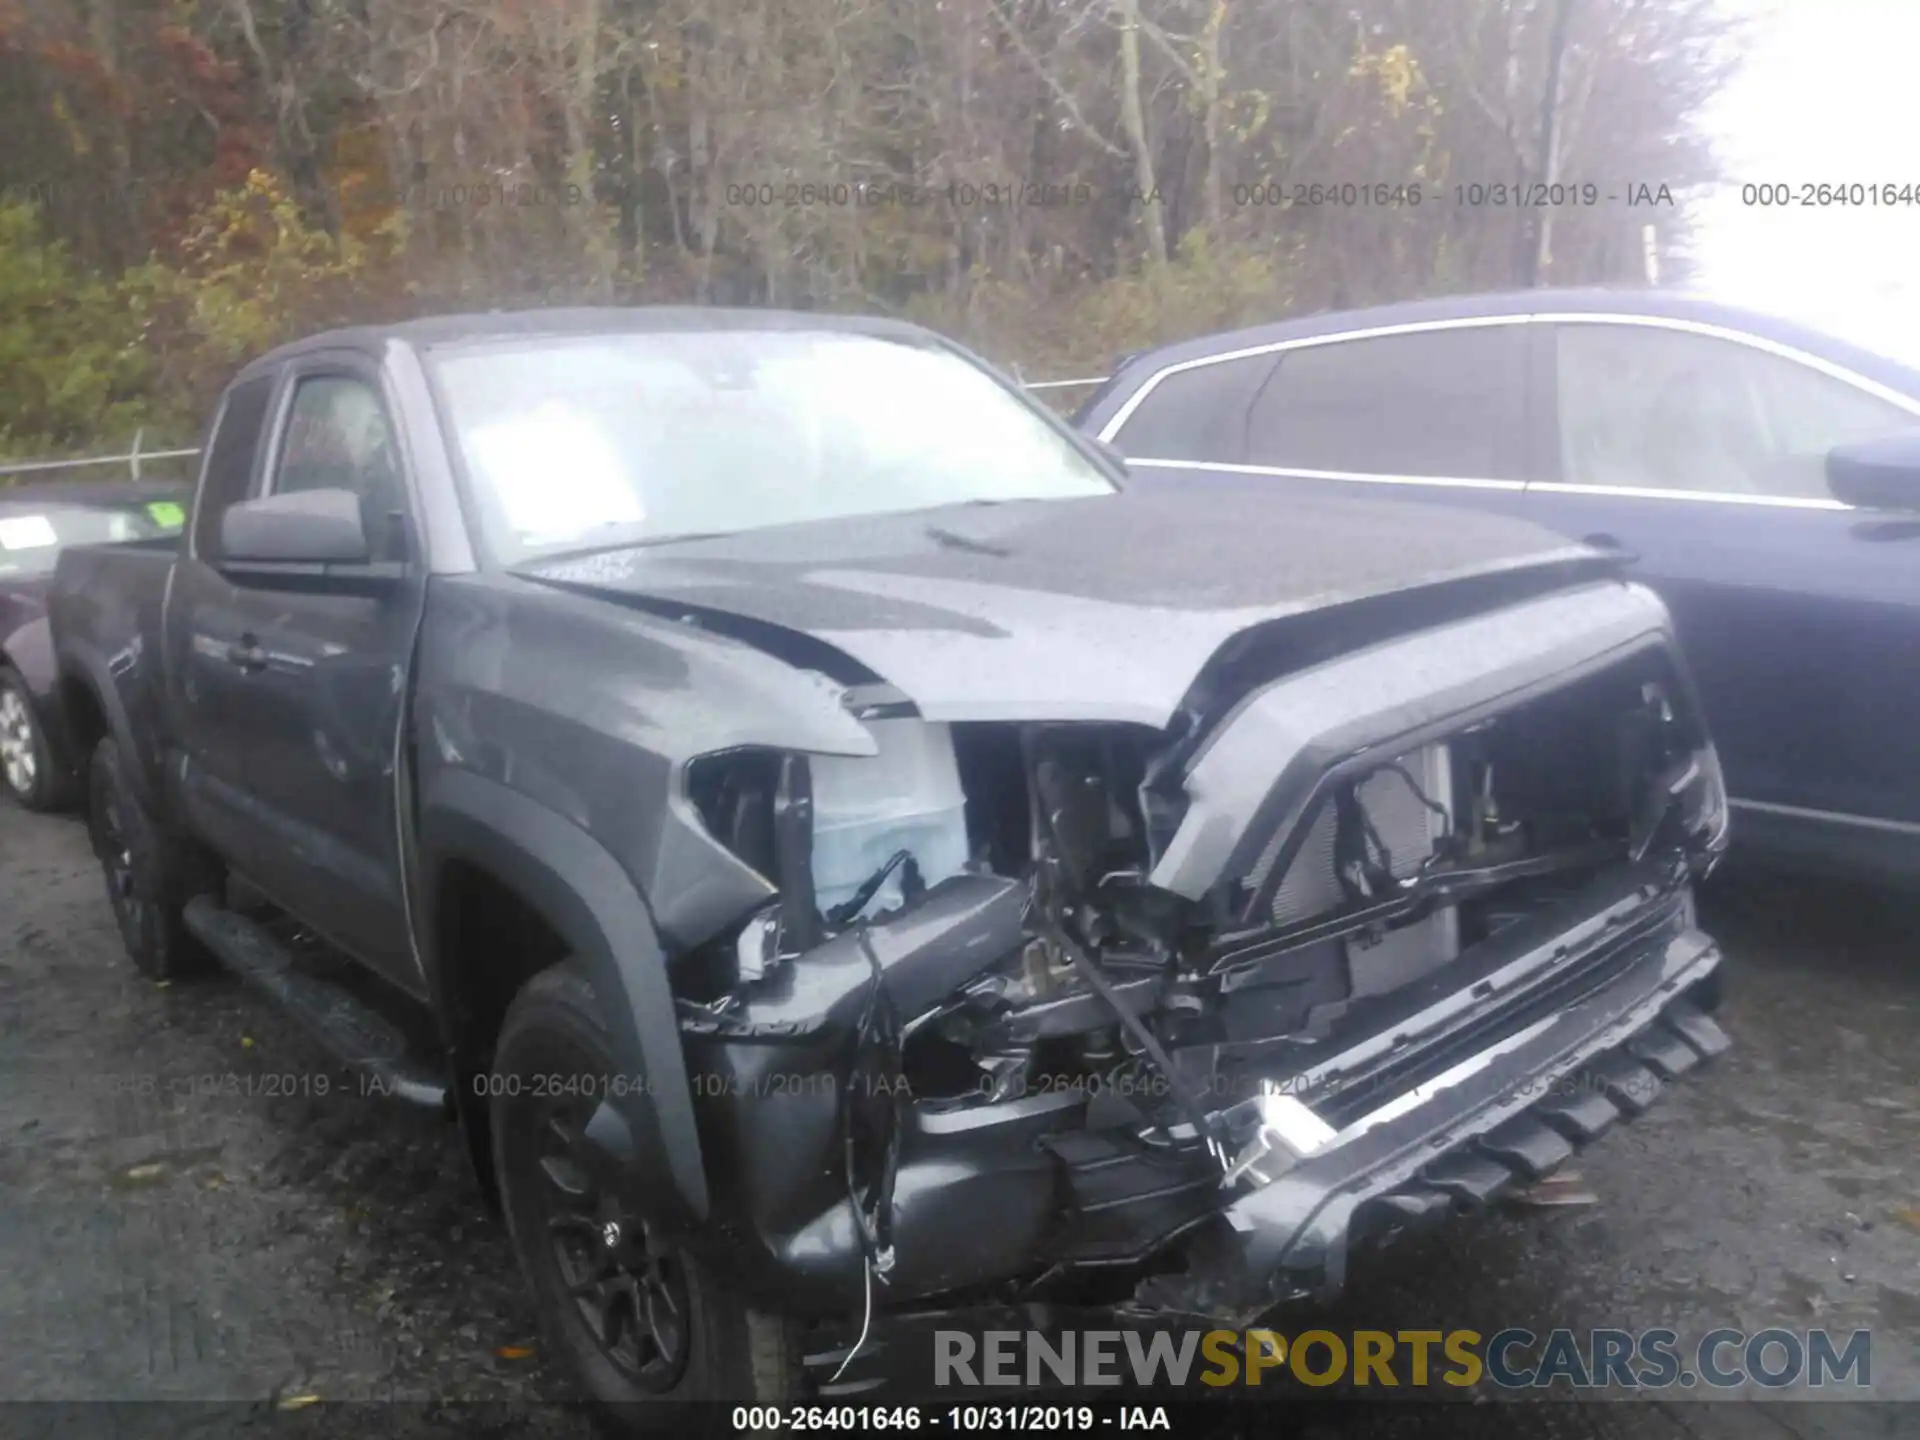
x: 1103, y: 608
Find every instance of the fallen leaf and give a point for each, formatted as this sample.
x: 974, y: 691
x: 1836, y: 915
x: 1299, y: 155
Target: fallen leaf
x: 513, y: 1352
x: 1909, y: 1216
x: 161, y: 984
x: 298, y: 1402
x: 1562, y: 1188
x: 246, y: 1042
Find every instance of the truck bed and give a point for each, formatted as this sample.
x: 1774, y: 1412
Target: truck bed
x: 105, y: 612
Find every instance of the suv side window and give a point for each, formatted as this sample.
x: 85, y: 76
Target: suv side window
x: 338, y: 437
x: 1198, y: 414
x: 1807, y: 413
x: 229, y: 463
x: 1439, y: 403
x: 1645, y: 406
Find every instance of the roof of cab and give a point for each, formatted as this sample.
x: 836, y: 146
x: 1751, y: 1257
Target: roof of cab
x: 441, y: 330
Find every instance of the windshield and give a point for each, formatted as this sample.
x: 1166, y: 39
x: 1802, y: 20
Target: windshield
x: 32, y: 534
x: 644, y: 438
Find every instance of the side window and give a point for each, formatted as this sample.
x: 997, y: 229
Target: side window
x: 1198, y: 414
x: 1440, y: 403
x: 1807, y: 413
x: 1641, y: 405
x: 229, y: 463
x: 338, y: 438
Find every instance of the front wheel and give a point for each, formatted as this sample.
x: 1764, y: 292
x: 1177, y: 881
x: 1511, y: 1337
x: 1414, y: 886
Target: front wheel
x: 639, y: 1320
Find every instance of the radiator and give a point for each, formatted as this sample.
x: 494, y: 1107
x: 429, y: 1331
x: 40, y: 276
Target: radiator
x: 1410, y: 832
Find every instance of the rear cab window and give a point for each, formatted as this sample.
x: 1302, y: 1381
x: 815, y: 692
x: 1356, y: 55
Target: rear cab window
x: 231, y: 446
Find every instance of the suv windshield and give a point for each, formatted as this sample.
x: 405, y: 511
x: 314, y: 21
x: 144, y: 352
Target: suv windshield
x: 644, y: 438
x: 32, y: 533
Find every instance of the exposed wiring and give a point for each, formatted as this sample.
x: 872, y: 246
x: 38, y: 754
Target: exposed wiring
x: 1418, y: 793
x: 1365, y: 874
x: 879, y: 1027
x: 1189, y: 1102
x: 845, y: 911
x: 866, y: 1324
x: 1361, y: 875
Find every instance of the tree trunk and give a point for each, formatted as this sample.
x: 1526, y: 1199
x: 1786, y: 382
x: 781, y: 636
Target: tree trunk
x: 1212, y: 75
x: 1133, y: 117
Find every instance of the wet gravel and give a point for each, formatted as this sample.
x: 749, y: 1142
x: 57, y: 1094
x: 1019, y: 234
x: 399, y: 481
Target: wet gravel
x: 196, y: 1207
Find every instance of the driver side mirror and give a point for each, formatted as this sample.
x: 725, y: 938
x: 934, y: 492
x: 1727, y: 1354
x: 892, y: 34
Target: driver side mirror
x: 309, y: 539
x: 1878, y: 474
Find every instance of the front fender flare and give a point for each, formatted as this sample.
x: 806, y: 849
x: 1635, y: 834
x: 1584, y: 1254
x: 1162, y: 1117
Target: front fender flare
x: 582, y: 891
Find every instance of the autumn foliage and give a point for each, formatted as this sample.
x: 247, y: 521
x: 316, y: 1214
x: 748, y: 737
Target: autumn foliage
x: 185, y: 183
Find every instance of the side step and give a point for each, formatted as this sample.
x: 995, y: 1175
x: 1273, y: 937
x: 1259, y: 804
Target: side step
x: 350, y: 1029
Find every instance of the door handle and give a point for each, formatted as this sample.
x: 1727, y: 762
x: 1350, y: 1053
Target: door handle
x: 247, y: 655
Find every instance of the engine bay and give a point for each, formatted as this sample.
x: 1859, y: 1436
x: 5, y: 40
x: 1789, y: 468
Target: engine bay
x: 986, y: 1003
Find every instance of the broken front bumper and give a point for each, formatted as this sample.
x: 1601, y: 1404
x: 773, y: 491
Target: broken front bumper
x: 1460, y: 1096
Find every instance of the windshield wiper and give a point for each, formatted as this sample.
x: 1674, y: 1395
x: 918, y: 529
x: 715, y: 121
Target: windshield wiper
x: 639, y: 542
x: 675, y: 539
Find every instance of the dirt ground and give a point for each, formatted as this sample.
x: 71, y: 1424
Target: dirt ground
x: 195, y: 1206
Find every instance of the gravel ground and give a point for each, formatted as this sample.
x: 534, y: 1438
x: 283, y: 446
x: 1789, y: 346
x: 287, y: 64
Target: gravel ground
x: 195, y: 1206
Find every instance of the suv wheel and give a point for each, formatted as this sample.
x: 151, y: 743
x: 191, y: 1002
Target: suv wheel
x: 640, y: 1322
x: 27, y: 771
x: 149, y: 880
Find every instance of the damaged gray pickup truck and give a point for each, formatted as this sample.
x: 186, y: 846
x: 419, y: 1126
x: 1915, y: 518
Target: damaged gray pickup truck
x: 838, y: 844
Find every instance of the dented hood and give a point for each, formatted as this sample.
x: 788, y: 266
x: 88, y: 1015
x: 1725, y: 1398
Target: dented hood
x: 1104, y: 608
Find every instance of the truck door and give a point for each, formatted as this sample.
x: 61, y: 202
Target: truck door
x: 207, y: 691
x: 324, y: 689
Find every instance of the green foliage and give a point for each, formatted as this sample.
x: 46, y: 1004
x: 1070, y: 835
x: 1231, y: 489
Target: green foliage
x: 250, y: 273
x: 73, y: 369
x: 84, y: 362
x: 253, y: 271
x: 225, y: 178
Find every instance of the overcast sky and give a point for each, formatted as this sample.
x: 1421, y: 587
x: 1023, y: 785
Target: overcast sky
x: 1830, y: 93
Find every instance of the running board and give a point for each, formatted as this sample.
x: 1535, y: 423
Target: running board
x: 350, y: 1029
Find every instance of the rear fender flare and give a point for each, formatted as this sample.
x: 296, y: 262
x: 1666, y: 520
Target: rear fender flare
x: 82, y: 668
x: 585, y: 895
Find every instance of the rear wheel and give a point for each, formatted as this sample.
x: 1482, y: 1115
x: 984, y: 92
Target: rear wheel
x: 638, y: 1319
x: 27, y: 769
x: 149, y: 881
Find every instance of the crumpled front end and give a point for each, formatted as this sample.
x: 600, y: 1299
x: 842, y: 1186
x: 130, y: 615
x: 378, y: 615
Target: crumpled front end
x: 1171, y: 1018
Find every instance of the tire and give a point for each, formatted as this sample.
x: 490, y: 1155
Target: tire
x: 28, y: 774
x: 706, y: 1344
x: 149, y: 878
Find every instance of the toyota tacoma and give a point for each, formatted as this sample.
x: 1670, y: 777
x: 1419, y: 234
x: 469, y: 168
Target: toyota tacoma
x: 838, y: 845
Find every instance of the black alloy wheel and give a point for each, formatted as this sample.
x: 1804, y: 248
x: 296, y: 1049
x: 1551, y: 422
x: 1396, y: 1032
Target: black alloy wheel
x: 628, y: 1286
x: 641, y: 1320
x: 149, y: 875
